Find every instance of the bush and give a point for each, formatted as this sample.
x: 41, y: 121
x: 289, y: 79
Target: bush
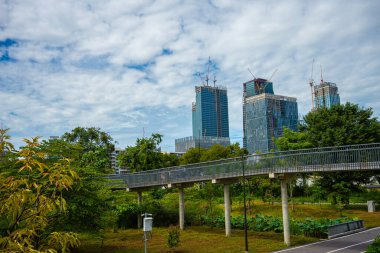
x: 173, y: 237
x: 161, y: 215
x: 374, y: 247
x: 263, y: 223
x: 128, y: 217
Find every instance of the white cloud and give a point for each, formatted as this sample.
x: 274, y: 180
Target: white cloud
x: 125, y: 66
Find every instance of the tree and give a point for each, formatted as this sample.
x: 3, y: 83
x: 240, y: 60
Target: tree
x: 145, y: 155
x: 215, y: 152
x: 292, y: 140
x: 193, y: 155
x: 89, y: 199
x: 173, y: 237
x: 89, y: 138
x: 31, y: 201
x: 7, y: 154
x: 93, y: 146
x: 339, y: 125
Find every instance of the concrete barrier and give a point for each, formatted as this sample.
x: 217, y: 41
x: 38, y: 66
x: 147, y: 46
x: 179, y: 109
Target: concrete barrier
x: 345, y: 228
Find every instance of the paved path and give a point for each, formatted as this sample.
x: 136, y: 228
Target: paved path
x: 354, y: 243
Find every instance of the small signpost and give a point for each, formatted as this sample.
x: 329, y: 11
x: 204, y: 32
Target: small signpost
x: 147, y: 228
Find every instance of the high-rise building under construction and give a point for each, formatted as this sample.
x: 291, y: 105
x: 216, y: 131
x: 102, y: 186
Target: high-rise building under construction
x: 265, y: 115
x: 325, y: 95
x: 210, y: 119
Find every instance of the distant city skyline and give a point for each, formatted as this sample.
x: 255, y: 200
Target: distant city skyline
x: 130, y: 67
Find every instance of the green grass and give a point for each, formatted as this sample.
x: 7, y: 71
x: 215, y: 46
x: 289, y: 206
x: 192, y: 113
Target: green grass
x: 314, y: 211
x: 193, y: 239
x: 205, y: 239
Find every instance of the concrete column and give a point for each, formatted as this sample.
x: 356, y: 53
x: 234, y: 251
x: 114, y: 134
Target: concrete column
x: 285, y: 211
x: 371, y: 206
x: 181, y: 209
x: 227, y: 209
x: 139, y: 202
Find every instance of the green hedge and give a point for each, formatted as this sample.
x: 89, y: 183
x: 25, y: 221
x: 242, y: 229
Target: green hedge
x: 308, y: 227
x: 374, y: 247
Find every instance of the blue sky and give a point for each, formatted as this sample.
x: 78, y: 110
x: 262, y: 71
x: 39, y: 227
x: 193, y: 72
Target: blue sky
x: 130, y: 67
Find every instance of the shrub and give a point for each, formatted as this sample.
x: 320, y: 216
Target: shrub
x: 263, y: 223
x: 173, y: 237
x: 374, y: 247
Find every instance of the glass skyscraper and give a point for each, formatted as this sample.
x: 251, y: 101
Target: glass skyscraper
x: 210, y: 119
x: 210, y: 112
x: 265, y: 115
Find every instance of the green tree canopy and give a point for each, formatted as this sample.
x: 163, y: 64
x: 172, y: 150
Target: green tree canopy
x: 146, y: 155
x: 339, y: 125
x: 31, y: 202
x: 215, y: 152
x: 89, y: 199
x: 336, y: 126
x: 89, y: 138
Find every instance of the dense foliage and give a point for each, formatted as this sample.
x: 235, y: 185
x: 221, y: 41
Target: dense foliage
x: 32, y: 200
x: 146, y: 155
x: 336, y: 126
x: 216, y: 152
x: 89, y: 138
x: 374, y: 247
x: 263, y: 223
x: 174, y: 234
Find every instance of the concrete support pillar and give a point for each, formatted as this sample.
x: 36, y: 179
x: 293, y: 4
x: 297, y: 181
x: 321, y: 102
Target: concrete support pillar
x: 227, y: 209
x: 181, y: 208
x: 371, y: 206
x: 139, y: 202
x: 285, y: 211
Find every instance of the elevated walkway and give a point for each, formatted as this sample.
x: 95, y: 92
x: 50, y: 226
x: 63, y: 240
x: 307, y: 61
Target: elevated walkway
x: 364, y: 157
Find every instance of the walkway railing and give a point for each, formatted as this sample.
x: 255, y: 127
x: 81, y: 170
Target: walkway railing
x: 342, y: 158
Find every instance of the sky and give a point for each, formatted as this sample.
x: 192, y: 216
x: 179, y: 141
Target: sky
x: 130, y: 67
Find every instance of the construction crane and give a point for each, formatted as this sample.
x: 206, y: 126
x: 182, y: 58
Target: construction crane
x: 274, y: 72
x: 321, y: 75
x: 200, y: 77
x: 208, y: 71
x: 257, y: 88
x: 251, y: 73
x: 261, y: 88
x: 311, y: 83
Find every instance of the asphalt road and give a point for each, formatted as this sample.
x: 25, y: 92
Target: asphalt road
x: 354, y: 243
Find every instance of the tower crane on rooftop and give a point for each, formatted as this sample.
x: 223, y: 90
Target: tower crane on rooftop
x: 311, y: 83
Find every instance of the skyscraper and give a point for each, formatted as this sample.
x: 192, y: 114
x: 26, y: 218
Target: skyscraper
x: 210, y: 112
x: 209, y: 117
x: 326, y: 95
x: 265, y: 115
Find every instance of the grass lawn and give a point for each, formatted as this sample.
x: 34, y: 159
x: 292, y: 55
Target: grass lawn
x: 204, y: 239
x: 193, y: 239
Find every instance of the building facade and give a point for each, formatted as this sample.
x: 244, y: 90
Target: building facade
x: 326, y: 95
x: 265, y: 115
x: 209, y: 119
x: 183, y: 144
x: 210, y: 112
x: 114, y: 163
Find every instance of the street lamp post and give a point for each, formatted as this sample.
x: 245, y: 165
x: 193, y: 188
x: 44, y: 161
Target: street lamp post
x: 245, y: 208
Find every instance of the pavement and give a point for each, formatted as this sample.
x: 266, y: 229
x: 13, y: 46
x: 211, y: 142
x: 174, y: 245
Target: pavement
x: 354, y: 243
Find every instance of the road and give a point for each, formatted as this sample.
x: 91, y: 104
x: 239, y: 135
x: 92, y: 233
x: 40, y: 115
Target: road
x: 354, y: 243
